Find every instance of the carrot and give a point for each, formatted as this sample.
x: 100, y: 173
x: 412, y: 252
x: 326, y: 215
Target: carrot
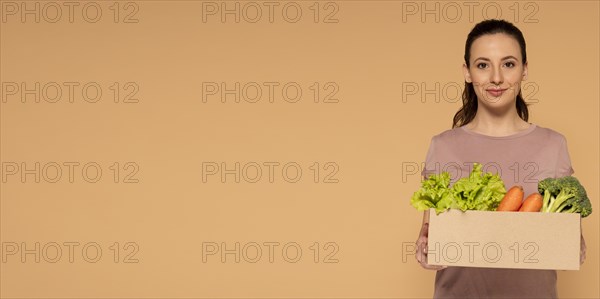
x: 533, y: 203
x: 512, y: 199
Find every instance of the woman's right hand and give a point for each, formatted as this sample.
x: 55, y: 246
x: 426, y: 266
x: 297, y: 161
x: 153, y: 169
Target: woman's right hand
x: 421, y: 253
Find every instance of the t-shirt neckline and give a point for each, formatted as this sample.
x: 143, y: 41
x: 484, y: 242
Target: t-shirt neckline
x: 519, y: 134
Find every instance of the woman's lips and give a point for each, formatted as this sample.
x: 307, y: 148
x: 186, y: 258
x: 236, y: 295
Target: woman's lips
x: 496, y: 92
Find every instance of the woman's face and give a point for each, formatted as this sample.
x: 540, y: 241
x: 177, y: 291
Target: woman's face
x: 496, y: 70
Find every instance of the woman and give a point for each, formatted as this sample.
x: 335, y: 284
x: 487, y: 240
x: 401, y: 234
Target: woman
x: 491, y: 128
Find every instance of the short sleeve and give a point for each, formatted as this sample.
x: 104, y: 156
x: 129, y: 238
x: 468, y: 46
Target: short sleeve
x: 563, y: 162
x: 429, y: 168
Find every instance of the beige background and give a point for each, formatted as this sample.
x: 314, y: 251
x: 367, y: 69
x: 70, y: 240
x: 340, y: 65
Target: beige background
x: 369, y: 54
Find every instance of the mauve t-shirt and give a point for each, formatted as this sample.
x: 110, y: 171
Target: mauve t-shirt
x: 523, y: 158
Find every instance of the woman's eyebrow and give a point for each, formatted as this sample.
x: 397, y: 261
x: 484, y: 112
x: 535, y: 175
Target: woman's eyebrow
x: 504, y: 58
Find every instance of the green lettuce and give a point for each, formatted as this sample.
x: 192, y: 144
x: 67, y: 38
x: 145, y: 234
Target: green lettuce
x: 434, y: 193
x: 479, y: 191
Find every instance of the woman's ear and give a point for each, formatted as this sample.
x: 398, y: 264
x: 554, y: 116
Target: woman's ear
x: 466, y: 73
x: 525, y: 71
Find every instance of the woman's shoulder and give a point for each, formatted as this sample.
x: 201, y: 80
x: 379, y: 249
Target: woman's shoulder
x: 448, y: 135
x: 549, y: 134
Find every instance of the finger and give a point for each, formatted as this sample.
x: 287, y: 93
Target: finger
x: 436, y: 267
x: 421, y: 243
x: 433, y: 267
x: 422, y: 258
x: 419, y: 256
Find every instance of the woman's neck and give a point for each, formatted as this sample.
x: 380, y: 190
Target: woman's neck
x: 497, y: 125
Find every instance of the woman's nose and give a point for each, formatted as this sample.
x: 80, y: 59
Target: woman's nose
x: 497, y: 77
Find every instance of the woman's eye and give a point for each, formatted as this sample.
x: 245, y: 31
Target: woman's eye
x: 479, y: 65
x: 510, y: 64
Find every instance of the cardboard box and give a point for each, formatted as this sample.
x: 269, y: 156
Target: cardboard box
x: 491, y: 239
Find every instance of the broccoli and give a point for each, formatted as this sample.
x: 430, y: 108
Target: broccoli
x: 564, y: 195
